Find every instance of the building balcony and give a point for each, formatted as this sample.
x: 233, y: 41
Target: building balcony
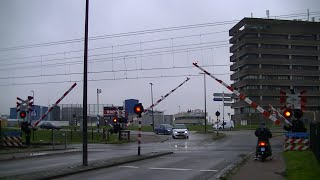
x: 269, y: 61
x: 276, y: 82
x: 294, y: 72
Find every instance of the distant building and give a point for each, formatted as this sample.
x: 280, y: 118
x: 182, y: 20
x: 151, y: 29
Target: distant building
x: 37, y: 112
x: 159, y: 118
x: 269, y: 55
x: 191, y: 117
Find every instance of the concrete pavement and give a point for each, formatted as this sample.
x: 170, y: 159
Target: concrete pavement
x: 248, y: 168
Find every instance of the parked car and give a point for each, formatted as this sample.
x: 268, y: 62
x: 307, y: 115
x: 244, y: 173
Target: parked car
x: 49, y: 125
x: 163, y: 129
x: 227, y: 125
x: 180, y: 130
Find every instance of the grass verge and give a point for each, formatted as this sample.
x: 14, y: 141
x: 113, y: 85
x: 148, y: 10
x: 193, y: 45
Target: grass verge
x: 301, y: 165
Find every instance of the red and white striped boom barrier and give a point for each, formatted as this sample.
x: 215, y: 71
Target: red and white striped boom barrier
x: 265, y: 113
x: 280, y: 115
x: 153, y: 105
x: 55, y: 104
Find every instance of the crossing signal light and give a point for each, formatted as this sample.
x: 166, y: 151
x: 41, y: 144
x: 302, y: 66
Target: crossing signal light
x: 23, y: 114
x: 115, y: 120
x: 287, y: 113
x: 138, y: 109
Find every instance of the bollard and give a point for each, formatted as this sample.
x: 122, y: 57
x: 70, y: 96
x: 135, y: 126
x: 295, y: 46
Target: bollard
x: 103, y: 134
x: 65, y: 140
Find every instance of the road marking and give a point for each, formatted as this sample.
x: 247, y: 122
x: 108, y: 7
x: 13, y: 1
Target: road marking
x: 171, y: 169
x: 209, y: 170
x: 133, y: 167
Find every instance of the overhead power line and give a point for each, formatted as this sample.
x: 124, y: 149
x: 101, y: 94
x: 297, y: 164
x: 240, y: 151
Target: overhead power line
x: 144, y: 32
x: 117, y: 58
x: 109, y: 79
x: 109, y: 71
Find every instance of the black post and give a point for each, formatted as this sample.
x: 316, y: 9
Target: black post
x: 71, y: 135
x: 85, y: 93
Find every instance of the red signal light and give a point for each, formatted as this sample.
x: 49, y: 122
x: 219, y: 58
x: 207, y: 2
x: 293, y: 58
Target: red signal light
x: 23, y: 114
x: 287, y: 113
x: 138, y: 109
x: 115, y: 120
x: 262, y: 144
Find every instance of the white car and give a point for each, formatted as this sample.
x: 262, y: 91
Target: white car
x: 227, y: 125
x: 180, y: 130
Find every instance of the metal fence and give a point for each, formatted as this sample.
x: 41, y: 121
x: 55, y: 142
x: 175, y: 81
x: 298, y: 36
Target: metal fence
x: 315, y: 139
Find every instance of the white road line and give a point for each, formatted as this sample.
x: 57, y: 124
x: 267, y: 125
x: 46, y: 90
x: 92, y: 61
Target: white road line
x: 171, y: 169
x: 133, y: 167
x: 209, y: 170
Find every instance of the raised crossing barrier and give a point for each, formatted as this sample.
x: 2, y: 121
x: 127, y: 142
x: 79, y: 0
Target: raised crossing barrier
x: 296, y: 141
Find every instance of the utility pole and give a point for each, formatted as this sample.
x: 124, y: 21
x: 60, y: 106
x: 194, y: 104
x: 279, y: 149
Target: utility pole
x: 152, y: 107
x: 85, y: 93
x: 205, y: 102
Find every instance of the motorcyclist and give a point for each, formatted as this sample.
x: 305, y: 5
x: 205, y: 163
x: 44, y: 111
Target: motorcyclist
x: 263, y: 133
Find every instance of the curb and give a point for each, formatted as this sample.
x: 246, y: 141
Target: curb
x: 13, y: 157
x: 232, y: 167
x: 75, y: 169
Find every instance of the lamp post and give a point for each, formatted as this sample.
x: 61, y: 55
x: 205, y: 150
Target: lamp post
x: 152, y: 107
x: 205, y: 102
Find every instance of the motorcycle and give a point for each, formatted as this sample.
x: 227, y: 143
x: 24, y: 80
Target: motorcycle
x: 263, y: 151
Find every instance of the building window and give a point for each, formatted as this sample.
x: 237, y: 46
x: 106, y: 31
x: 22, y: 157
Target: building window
x: 272, y: 66
x: 274, y: 46
x: 313, y: 48
x: 297, y: 57
x: 274, y: 36
x: 274, y: 56
x: 308, y: 88
x: 275, y: 87
x: 275, y: 77
x: 251, y: 76
x: 312, y: 68
x: 251, y: 87
x: 270, y: 98
x: 248, y: 56
x: 304, y: 37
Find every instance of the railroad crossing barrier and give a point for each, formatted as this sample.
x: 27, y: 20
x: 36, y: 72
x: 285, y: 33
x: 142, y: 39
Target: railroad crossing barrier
x: 296, y: 141
x: 12, y: 139
x: 125, y: 135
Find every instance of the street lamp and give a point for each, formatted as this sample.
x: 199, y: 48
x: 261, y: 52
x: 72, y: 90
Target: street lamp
x: 205, y: 102
x: 152, y: 107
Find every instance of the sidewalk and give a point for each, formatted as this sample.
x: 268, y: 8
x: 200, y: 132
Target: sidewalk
x: 269, y: 169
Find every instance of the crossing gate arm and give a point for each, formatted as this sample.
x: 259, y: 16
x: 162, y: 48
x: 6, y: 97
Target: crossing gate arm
x: 242, y: 96
x: 157, y: 102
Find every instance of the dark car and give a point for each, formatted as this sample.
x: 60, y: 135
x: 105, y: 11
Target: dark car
x: 163, y: 129
x: 49, y: 125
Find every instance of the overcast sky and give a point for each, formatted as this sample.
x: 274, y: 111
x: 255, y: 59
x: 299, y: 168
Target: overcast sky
x: 131, y: 41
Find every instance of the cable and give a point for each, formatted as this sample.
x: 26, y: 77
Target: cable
x: 118, y: 35
x: 109, y: 79
x: 79, y: 62
x: 120, y: 45
x: 139, y: 33
x: 121, y: 52
x: 108, y: 71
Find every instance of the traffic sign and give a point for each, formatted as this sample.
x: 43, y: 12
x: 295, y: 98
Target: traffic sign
x: 221, y: 99
x: 223, y: 94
